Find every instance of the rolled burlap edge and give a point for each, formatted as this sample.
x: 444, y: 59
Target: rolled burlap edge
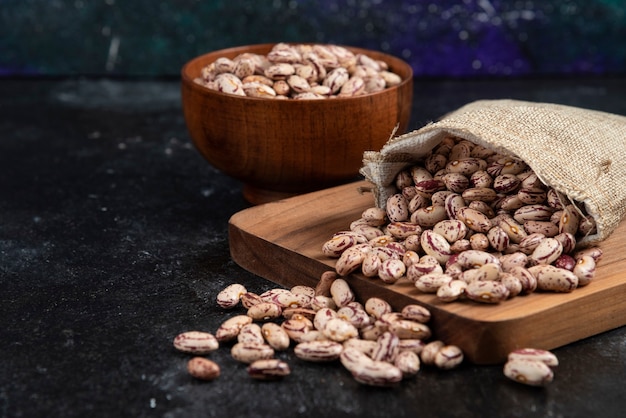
x: 579, y: 152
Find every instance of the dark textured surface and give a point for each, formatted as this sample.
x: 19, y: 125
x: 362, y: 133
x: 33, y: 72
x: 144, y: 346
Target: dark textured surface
x: 113, y: 239
x: 440, y: 38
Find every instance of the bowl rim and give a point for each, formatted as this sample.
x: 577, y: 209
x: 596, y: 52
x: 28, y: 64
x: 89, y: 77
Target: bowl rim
x: 189, y: 80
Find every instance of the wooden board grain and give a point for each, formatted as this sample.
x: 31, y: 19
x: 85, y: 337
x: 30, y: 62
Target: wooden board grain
x: 281, y: 241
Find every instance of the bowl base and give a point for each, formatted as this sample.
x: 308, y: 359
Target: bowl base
x: 258, y: 196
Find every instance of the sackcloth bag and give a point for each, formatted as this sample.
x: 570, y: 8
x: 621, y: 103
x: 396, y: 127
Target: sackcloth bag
x: 579, y: 152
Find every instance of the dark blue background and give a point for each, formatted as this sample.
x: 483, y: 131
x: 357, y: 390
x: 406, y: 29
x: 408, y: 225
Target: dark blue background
x: 438, y: 38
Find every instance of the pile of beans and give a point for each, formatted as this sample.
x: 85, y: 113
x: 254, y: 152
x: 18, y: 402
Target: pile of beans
x: 376, y: 345
x: 300, y: 71
x: 467, y: 223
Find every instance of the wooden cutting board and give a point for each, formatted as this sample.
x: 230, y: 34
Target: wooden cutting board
x: 281, y: 242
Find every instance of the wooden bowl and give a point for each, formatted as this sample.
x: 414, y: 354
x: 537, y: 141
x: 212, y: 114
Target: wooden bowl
x: 280, y: 148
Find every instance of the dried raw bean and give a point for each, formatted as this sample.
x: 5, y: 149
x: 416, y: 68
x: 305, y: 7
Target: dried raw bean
x: 408, y: 329
x: 482, y: 207
x: 466, y: 166
x: 410, y: 257
x: 403, y: 230
x: 451, y: 291
x: 229, y: 83
x: 528, y: 372
x: 415, y: 313
x: 296, y: 328
x: 479, y: 241
x: 230, y: 296
x: 408, y: 362
x: 386, y: 347
x: 481, y: 178
x: 533, y: 213
x: 585, y: 270
x: 482, y: 194
x: 546, y: 252
x: 318, y: 351
x: 251, y: 352
x: 514, y: 230
x: 565, y: 261
x: 367, y: 371
x: 354, y: 315
x: 435, y: 245
x: 430, y: 350
x: 335, y: 246
x: 451, y: 229
x: 473, y: 219
x: 259, y: 90
x: 569, y: 220
x: 341, y: 293
x: 275, y: 336
x: 320, y: 302
x: 268, y: 369
x: 512, y: 283
x: 453, y: 203
x: 365, y: 346
x: 229, y: 329
x: 374, y: 216
x: 526, y: 278
x: 196, y: 342
x: 299, y: 312
x: 554, y: 279
x: 390, y: 271
x: 568, y: 241
x: 322, y: 288
x: 530, y: 242
x: 506, y: 183
x: 307, y: 291
x: 547, y: 228
x: 448, y: 357
x: 512, y: 260
x: 339, y: 330
x: 456, y: 182
x: 377, y: 307
x: 535, y: 354
x: 498, y: 239
x: 428, y: 216
x: 349, y: 261
x: 203, y: 368
x: 435, y: 162
x: 251, y: 333
x: 264, y: 311
x: 250, y: 299
x: 532, y: 195
x: 474, y: 259
x: 411, y: 344
x: 371, y: 264
x: 429, y: 283
x: 486, y: 291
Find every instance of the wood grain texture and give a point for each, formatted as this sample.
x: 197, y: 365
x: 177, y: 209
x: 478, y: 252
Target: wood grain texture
x: 281, y: 241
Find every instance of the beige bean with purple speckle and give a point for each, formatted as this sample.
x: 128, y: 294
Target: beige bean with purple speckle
x: 554, y: 279
x: 251, y: 333
x: 264, y: 311
x: 203, y: 368
x: 585, y: 270
x: 230, y: 296
x: 268, y: 369
x: 196, y: 342
x: 448, y: 357
x: 250, y: 352
x: 275, y: 336
x: 486, y: 291
x: 408, y: 362
x: 528, y: 372
x: 535, y: 354
x: 451, y: 291
x: 229, y: 329
x: 318, y: 351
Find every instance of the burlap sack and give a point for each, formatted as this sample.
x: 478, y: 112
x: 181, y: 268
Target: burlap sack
x: 579, y: 152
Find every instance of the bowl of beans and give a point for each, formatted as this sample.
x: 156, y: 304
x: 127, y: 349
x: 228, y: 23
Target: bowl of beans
x: 286, y: 119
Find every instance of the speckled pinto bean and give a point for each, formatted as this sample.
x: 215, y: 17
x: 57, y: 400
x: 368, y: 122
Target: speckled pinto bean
x: 554, y: 279
x: 318, y: 351
x: 196, y: 342
x: 268, y: 369
x: 528, y: 372
x: 203, y: 368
